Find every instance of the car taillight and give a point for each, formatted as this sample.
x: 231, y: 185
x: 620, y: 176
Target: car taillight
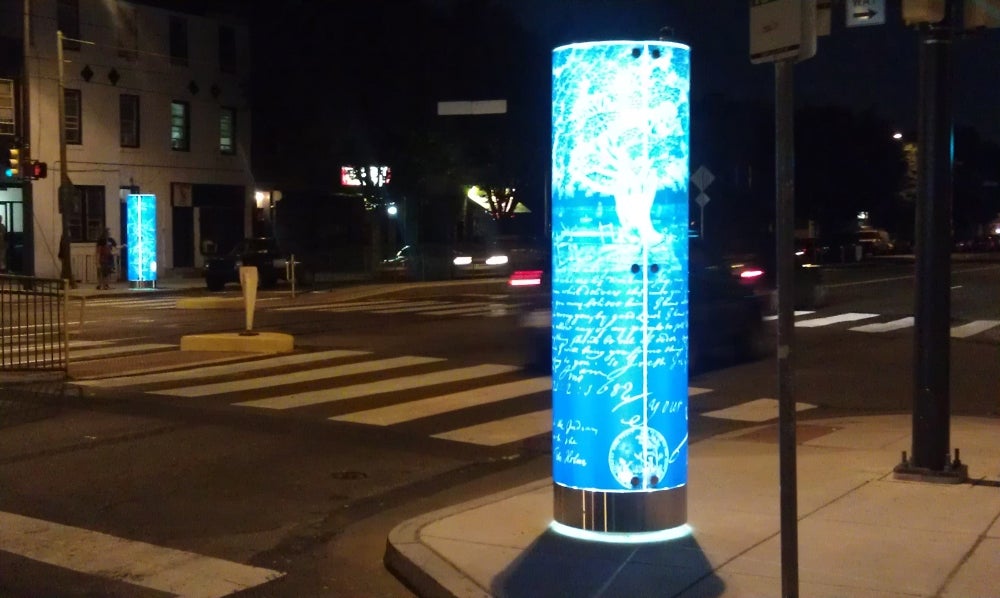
x: 751, y: 274
x: 525, y: 278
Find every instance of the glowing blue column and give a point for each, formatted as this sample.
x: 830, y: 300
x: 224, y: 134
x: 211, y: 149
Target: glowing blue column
x: 140, y: 224
x: 620, y: 116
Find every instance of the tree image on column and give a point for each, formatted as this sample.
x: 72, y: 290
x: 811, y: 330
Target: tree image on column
x: 627, y: 154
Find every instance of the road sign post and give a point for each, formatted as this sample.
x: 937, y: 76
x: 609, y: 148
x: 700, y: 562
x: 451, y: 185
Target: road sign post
x: 701, y: 179
x: 767, y: 31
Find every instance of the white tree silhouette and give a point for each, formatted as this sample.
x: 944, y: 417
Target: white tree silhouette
x: 620, y: 115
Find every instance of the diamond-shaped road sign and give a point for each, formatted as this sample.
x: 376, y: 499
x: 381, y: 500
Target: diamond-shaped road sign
x: 702, y: 178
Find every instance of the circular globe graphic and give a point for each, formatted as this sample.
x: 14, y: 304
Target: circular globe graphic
x: 629, y: 460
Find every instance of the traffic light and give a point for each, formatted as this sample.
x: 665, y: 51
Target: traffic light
x: 38, y: 170
x: 14, y: 168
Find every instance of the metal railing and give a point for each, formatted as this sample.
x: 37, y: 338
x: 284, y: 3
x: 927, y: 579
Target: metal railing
x: 34, y: 332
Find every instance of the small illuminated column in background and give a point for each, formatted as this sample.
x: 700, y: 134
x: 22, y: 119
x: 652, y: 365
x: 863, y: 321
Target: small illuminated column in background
x: 140, y: 224
x: 620, y: 117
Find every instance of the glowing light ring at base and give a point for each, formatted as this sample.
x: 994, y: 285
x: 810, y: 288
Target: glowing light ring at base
x: 620, y: 118
x: 674, y: 533
x: 140, y: 225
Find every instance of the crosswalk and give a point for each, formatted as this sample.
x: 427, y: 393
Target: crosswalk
x: 134, y: 302
x: 811, y: 319
x: 479, y: 307
x: 32, y: 349
x: 482, y: 404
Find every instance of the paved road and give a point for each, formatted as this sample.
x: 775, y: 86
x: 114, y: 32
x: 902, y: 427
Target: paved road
x: 297, y: 466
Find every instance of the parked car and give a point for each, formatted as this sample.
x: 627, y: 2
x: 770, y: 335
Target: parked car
x: 263, y: 252
x: 725, y: 314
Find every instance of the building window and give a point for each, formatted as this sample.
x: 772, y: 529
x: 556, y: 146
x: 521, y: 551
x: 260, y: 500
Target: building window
x: 227, y: 49
x: 127, y: 32
x: 178, y: 41
x: 6, y: 107
x: 68, y: 21
x: 180, y: 126
x: 74, y: 120
x: 227, y: 131
x: 86, y: 222
x: 128, y: 117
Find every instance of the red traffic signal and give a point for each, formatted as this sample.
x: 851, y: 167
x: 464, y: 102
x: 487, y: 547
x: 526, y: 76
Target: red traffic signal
x: 38, y: 170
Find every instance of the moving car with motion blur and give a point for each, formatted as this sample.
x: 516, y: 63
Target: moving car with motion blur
x: 725, y: 310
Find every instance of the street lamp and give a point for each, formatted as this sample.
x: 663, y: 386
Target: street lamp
x: 897, y: 136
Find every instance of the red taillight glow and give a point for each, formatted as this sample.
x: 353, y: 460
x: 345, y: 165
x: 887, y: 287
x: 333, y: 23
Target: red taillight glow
x: 525, y: 278
x: 751, y: 274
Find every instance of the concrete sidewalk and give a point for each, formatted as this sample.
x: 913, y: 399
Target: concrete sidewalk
x: 861, y: 532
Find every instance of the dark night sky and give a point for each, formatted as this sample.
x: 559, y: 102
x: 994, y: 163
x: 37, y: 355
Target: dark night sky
x: 861, y: 67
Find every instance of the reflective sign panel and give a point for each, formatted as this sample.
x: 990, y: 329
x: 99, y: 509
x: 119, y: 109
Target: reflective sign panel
x: 620, y: 119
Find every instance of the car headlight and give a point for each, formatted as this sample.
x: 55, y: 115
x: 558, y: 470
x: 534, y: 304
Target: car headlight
x: 496, y: 260
x: 462, y: 260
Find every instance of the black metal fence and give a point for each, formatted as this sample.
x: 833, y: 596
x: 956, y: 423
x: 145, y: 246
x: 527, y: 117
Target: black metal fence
x: 34, y: 334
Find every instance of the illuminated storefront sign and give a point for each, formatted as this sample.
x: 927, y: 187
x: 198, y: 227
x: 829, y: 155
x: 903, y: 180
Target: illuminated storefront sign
x: 377, y: 175
x: 620, y: 117
x: 140, y: 224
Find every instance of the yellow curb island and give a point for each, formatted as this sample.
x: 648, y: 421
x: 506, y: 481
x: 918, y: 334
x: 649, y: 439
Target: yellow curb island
x: 262, y: 342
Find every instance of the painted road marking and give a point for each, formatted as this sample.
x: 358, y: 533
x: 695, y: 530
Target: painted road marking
x: 221, y: 370
x: 967, y: 330
x: 411, y: 410
x: 323, y: 306
x: 797, y: 314
x: 760, y: 410
x: 502, y: 431
x: 158, y: 568
x: 837, y: 319
x: 886, y: 326
x: 335, y: 371
x: 330, y: 395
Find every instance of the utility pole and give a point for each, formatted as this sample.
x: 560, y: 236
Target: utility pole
x: 932, y: 310
x: 67, y: 194
x: 27, y: 197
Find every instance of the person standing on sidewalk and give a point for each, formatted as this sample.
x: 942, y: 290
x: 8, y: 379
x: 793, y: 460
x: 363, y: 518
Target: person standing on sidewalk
x: 105, y: 259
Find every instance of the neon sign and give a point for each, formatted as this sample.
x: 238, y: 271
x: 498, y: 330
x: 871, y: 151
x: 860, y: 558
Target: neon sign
x: 620, y: 118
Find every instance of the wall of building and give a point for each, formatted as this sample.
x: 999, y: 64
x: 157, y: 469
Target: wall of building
x: 153, y: 167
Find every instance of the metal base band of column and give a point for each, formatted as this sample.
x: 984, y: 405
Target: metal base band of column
x: 620, y: 512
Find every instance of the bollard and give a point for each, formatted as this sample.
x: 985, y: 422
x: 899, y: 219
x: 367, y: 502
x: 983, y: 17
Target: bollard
x: 248, y: 282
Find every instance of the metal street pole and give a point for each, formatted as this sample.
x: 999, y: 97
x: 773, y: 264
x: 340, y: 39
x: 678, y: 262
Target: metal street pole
x: 27, y: 191
x: 784, y: 116
x: 66, y: 191
x: 932, y: 308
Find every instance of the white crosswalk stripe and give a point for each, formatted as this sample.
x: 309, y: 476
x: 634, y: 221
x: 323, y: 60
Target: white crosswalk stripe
x: 965, y: 330
x: 390, y: 381
x: 79, y: 350
x: 326, y: 373
x: 424, y: 307
x: 972, y: 328
x: 167, y: 570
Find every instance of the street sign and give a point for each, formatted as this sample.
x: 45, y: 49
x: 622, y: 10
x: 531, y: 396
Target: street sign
x: 861, y: 13
x: 702, y: 178
x: 701, y: 200
x: 775, y: 30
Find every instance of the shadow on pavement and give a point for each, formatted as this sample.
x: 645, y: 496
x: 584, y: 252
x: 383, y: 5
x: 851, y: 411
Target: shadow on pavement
x: 555, y: 565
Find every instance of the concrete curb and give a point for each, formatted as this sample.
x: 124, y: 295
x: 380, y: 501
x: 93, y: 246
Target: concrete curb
x: 427, y: 572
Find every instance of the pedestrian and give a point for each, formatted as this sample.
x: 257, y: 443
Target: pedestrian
x: 3, y: 246
x: 105, y: 259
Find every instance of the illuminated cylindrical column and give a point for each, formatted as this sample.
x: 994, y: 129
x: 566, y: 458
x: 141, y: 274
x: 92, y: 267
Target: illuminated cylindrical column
x: 620, y: 116
x: 140, y: 225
